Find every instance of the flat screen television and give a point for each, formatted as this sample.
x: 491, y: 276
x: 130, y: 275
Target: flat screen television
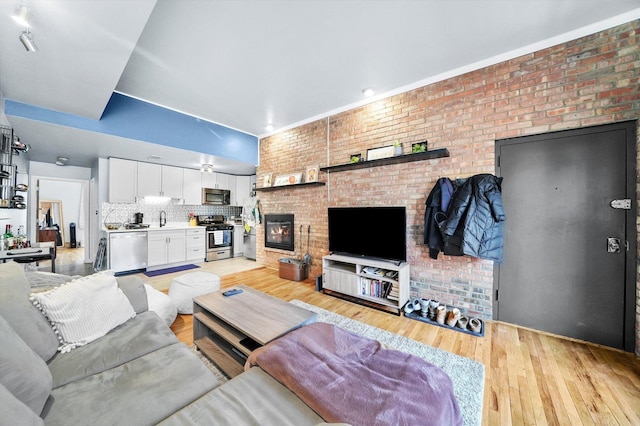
x: 374, y: 232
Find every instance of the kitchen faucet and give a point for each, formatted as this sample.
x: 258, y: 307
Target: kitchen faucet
x: 163, y: 218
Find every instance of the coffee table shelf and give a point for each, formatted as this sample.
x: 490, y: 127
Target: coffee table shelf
x: 226, y: 362
x: 228, y: 329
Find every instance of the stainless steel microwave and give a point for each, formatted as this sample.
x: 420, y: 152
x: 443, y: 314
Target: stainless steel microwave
x: 216, y: 196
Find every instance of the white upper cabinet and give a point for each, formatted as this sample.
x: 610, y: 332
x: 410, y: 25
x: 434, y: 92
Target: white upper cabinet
x: 243, y: 190
x: 223, y: 181
x: 123, y: 178
x: 159, y: 181
x: 149, y: 180
x: 192, y: 187
x: 171, y: 182
x: 209, y: 180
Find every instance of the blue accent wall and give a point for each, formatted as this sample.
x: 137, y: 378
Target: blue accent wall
x: 134, y: 119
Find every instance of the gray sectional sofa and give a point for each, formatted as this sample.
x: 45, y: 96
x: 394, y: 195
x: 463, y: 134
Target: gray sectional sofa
x: 136, y: 374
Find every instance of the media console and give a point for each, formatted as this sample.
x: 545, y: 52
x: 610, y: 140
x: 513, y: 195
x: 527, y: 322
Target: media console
x: 383, y: 284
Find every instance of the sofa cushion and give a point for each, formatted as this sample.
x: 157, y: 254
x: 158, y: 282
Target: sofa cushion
x: 22, y: 371
x: 16, y: 410
x: 135, y: 338
x: 84, y: 309
x: 133, y: 288
x: 161, y: 304
x: 23, y: 317
x: 253, y: 397
x: 141, y: 392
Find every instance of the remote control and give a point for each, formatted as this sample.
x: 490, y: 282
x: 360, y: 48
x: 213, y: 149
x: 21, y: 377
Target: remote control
x: 232, y: 292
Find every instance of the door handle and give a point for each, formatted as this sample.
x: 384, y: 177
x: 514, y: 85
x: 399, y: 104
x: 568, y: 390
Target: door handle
x: 613, y: 245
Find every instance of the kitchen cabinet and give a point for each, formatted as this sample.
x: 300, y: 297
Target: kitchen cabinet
x: 223, y: 181
x: 172, y: 182
x: 238, y: 240
x: 242, y: 190
x: 218, y: 181
x: 195, y: 244
x: 123, y: 178
x: 209, y: 180
x: 149, y: 179
x: 159, y: 181
x: 192, y: 187
x: 166, y: 247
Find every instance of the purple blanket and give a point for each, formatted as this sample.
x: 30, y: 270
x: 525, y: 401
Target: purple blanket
x: 352, y: 379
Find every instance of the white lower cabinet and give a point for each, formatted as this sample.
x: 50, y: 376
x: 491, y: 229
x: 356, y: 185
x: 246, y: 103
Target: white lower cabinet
x: 196, y: 249
x: 166, y: 247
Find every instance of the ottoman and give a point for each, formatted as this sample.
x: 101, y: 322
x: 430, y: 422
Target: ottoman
x: 185, y: 287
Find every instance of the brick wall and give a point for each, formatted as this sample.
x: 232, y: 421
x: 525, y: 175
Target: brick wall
x: 589, y: 81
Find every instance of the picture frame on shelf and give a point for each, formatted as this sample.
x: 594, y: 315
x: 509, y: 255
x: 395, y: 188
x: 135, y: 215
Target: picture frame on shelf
x: 312, y: 174
x: 289, y: 179
x: 382, y: 152
x: 267, y: 182
x: 419, y: 147
x: 355, y: 158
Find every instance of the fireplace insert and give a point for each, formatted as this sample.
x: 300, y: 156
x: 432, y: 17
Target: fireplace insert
x: 279, y: 231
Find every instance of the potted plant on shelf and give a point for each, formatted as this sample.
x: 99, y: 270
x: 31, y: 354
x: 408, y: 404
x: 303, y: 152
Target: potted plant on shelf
x: 397, y: 148
x: 419, y: 147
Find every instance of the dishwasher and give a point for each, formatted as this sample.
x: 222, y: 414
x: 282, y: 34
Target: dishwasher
x: 127, y: 251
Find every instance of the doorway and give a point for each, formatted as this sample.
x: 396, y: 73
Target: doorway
x: 569, y: 263
x: 70, y: 199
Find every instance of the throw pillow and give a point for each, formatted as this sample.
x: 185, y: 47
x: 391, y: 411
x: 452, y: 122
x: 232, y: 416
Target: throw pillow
x: 133, y: 287
x: 22, y: 371
x: 24, y: 318
x: 84, y: 309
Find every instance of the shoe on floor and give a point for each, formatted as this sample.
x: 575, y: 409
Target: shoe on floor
x: 463, y: 322
x: 475, y: 325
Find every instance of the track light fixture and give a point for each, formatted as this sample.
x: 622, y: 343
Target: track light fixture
x: 27, y: 41
x: 22, y: 15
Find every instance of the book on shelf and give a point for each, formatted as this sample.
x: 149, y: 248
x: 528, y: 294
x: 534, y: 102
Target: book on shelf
x: 375, y: 288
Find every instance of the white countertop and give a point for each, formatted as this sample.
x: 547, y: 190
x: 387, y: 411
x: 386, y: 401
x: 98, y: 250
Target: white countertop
x: 171, y: 226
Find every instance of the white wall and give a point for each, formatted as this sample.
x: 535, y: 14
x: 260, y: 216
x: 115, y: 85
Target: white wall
x: 70, y: 194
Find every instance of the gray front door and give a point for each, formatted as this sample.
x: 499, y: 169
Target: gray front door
x: 558, y: 274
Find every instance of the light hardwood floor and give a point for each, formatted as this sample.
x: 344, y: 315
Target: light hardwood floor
x: 531, y: 378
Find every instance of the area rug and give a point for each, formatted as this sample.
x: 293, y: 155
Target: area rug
x: 169, y: 270
x: 467, y: 375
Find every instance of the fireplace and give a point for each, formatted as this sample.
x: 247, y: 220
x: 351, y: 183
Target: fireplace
x: 279, y: 231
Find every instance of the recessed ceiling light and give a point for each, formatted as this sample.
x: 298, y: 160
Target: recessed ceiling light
x: 368, y: 92
x: 269, y: 127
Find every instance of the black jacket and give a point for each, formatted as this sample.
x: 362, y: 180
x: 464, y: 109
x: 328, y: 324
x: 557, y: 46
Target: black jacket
x: 474, y: 219
x: 437, y: 204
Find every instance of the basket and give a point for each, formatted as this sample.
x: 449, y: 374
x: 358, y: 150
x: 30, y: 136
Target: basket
x: 293, y: 269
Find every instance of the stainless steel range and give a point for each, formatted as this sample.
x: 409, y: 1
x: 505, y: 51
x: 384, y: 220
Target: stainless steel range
x: 219, y: 241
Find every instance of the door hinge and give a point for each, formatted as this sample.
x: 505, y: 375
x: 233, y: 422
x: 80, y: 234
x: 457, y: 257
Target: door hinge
x: 624, y: 204
x: 497, y: 295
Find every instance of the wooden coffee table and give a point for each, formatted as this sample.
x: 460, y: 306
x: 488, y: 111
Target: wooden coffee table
x: 228, y: 329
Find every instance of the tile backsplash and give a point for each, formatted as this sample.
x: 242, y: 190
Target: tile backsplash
x: 121, y: 212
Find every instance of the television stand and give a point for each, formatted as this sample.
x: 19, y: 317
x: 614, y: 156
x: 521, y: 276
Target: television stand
x: 383, y: 284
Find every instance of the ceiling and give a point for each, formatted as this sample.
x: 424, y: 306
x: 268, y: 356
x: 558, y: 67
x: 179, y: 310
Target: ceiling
x: 245, y: 64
